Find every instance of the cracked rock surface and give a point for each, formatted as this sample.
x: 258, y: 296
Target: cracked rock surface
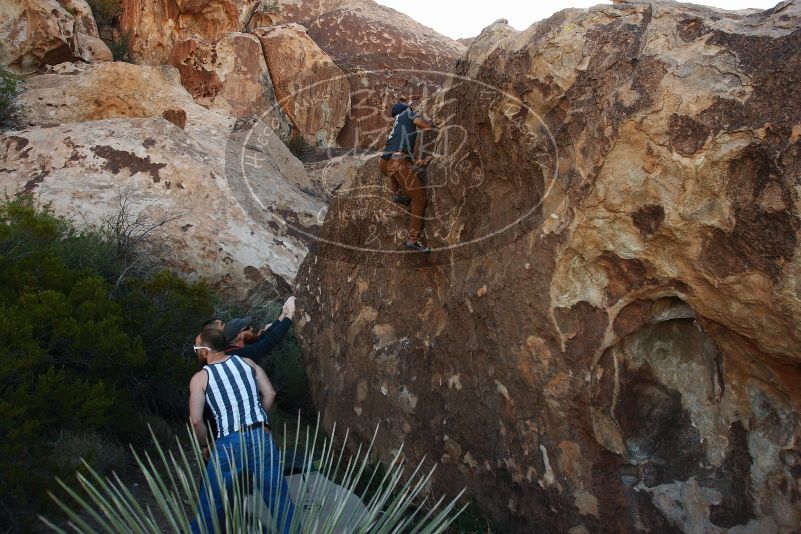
x: 605, y: 338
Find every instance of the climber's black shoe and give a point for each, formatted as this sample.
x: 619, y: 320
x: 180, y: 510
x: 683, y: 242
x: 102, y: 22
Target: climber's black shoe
x: 401, y: 199
x: 417, y: 246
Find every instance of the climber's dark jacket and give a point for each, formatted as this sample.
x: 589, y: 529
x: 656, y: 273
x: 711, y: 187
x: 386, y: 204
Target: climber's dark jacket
x: 259, y: 349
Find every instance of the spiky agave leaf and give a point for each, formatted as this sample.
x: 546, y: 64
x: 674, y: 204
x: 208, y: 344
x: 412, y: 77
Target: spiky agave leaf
x: 174, y: 480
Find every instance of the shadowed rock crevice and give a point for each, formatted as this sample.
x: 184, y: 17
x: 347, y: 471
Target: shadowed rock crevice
x: 664, y: 405
x: 658, y: 432
x: 736, y: 507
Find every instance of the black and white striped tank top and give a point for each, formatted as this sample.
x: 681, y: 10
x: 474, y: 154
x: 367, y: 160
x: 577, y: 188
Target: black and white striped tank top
x: 233, y: 395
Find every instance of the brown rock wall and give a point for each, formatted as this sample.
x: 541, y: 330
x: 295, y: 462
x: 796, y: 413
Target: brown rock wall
x: 384, y: 54
x: 36, y: 33
x: 605, y: 337
x: 309, y: 87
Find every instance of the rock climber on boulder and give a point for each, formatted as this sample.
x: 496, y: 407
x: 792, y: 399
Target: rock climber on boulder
x: 397, y: 165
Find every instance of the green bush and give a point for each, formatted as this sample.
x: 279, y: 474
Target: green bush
x: 271, y: 7
x: 92, y: 355
x: 80, y: 353
x: 287, y: 373
x: 9, y: 107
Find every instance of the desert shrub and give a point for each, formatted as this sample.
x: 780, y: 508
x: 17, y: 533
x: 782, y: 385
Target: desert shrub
x: 105, y: 455
x: 399, y: 500
x: 298, y: 145
x: 81, y: 354
x: 287, y: 373
x: 120, y: 48
x: 9, y: 106
x: 272, y: 7
x: 105, y: 11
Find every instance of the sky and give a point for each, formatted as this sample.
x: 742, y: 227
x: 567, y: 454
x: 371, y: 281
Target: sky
x: 466, y: 18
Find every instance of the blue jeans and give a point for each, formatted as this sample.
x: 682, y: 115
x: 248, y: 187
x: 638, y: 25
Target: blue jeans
x: 247, y: 455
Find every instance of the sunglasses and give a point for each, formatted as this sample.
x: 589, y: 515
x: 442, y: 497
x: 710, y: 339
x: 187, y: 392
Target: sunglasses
x: 198, y: 348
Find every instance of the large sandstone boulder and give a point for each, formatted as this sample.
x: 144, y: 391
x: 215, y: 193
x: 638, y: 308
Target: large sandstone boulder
x: 310, y: 88
x: 46, y: 32
x: 385, y: 55
x: 77, y: 92
x: 155, y: 26
x: 243, y: 219
x: 230, y: 76
x: 82, y: 13
x: 330, y: 171
x: 605, y: 338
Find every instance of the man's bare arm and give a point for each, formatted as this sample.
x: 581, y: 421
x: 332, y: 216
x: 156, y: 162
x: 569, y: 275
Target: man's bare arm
x: 197, y: 400
x: 424, y: 124
x: 266, y: 388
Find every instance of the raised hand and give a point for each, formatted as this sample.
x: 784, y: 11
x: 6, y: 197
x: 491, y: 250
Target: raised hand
x: 289, y: 308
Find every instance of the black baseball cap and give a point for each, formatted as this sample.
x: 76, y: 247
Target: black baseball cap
x: 234, y: 326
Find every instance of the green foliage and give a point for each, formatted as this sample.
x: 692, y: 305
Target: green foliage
x: 298, y: 145
x: 397, y: 502
x: 271, y: 7
x: 287, y: 373
x: 105, y: 11
x: 120, y: 49
x: 104, y: 454
x: 81, y: 354
x: 472, y: 521
x: 9, y: 107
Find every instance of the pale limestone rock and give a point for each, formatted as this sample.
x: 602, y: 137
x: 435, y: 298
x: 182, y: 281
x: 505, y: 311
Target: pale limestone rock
x: 244, y: 218
x: 76, y: 92
x: 92, y: 48
x: 82, y: 168
x: 82, y: 13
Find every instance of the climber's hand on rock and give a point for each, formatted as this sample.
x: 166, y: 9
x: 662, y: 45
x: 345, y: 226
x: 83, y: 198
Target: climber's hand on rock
x: 289, y: 308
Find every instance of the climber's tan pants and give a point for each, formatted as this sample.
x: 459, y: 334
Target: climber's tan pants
x: 402, y: 178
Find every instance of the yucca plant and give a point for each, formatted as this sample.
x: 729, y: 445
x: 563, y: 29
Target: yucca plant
x: 399, y: 503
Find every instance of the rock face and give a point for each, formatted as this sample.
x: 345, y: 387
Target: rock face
x: 385, y: 55
x: 328, y: 174
x: 235, y: 187
x: 605, y: 338
x: 309, y: 87
x: 46, y: 32
x: 230, y: 76
x: 82, y: 13
x: 155, y: 26
x: 77, y: 92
